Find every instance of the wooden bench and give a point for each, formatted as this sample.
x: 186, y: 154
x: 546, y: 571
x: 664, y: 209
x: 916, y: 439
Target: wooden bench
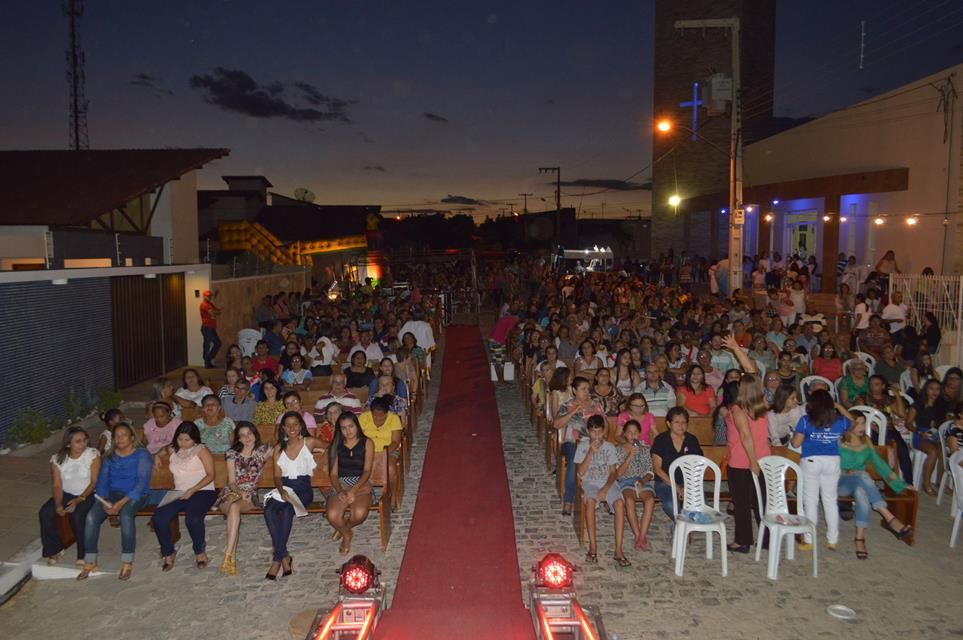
x: 904, y: 506
x: 162, y: 479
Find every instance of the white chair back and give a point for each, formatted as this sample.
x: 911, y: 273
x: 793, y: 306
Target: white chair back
x: 905, y: 381
x: 868, y: 359
x: 247, y: 339
x: 940, y: 371
x: 693, y: 473
x: 874, y: 419
x: 806, y: 382
x: 848, y: 364
x: 774, y: 470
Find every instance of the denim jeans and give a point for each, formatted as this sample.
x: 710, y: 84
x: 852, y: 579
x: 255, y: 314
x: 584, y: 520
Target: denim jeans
x: 863, y: 489
x: 212, y: 344
x: 128, y: 534
x: 52, y: 544
x: 664, y: 492
x: 194, y: 508
x: 279, y: 516
x: 568, y: 452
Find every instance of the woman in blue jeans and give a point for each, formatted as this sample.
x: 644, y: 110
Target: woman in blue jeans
x: 294, y: 465
x: 855, y: 452
x: 192, y: 466
x: 571, y: 419
x: 122, y: 488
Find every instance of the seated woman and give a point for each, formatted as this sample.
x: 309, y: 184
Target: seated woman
x: 270, y: 407
x: 292, y: 402
x: 891, y: 403
x: 386, y: 389
x: 635, y: 475
x: 695, y: 394
x: 637, y: 408
x: 666, y: 448
x: 787, y: 409
x: 122, y: 488
x: 159, y: 430
x: 350, y: 460
x: 359, y: 374
x: 216, y: 429
x: 290, y: 350
x: 296, y: 376
x: 763, y: 352
x: 192, y: 391
x: 234, y: 357
x: 571, y: 419
x: 714, y: 377
x: 74, y: 470
x: 245, y: 463
x: 624, y: 376
x: 586, y: 363
x: 111, y: 418
x: 325, y: 431
x: 539, y: 389
x: 164, y: 392
x: 608, y: 395
x: 924, y: 419
x: 854, y: 386
x: 192, y: 466
x: 827, y: 363
x: 231, y: 376
x: 294, y: 465
x: 890, y: 366
x: 921, y: 372
x: 873, y: 339
x: 321, y: 356
x: 598, y: 468
x: 387, y: 368
x: 855, y: 451
x: 385, y: 430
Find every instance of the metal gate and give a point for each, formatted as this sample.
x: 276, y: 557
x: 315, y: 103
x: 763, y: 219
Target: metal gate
x: 941, y: 295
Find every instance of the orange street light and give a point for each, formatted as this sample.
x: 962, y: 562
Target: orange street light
x: 664, y: 126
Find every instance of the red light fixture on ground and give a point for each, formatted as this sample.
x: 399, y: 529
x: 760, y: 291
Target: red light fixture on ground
x: 554, y: 572
x: 358, y: 575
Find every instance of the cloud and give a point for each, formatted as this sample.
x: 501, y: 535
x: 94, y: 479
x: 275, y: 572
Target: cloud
x: 142, y: 79
x: 234, y: 90
x: 461, y: 200
x: 374, y: 168
x: 606, y: 183
x: 434, y: 117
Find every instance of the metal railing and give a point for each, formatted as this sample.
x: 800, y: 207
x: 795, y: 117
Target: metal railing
x: 941, y: 295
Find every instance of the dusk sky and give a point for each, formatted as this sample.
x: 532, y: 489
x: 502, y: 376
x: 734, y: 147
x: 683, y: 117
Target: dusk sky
x: 406, y: 103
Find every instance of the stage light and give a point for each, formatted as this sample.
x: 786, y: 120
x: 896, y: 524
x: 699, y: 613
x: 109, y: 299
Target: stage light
x: 878, y: 221
x: 843, y: 218
x: 768, y: 217
x: 675, y: 200
x: 827, y: 218
x: 912, y: 220
x: 358, y: 575
x: 554, y: 572
x: 664, y: 126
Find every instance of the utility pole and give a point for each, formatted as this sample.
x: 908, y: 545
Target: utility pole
x: 525, y: 205
x: 558, y: 199
x: 74, y: 9
x: 736, y: 211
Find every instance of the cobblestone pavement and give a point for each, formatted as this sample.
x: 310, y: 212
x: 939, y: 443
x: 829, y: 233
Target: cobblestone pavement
x: 191, y: 603
x: 899, y: 592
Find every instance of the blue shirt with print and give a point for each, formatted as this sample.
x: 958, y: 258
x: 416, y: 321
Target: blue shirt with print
x: 821, y: 441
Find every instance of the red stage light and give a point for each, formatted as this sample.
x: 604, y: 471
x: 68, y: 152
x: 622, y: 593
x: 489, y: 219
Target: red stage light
x: 358, y: 574
x: 554, y: 572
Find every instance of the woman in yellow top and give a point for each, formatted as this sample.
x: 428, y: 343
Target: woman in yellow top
x: 385, y: 430
x: 271, y: 407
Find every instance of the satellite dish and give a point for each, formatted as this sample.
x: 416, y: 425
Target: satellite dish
x: 304, y: 195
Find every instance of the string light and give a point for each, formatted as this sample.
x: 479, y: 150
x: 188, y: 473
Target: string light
x: 768, y: 217
x: 879, y: 221
x: 843, y: 218
x: 826, y: 218
x: 749, y: 209
x: 911, y: 220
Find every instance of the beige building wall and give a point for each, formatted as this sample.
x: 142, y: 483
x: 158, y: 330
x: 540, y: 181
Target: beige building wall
x: 183, y: 218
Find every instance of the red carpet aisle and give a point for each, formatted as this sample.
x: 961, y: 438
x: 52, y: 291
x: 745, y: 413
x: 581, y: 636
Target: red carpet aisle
x: 459, y: 577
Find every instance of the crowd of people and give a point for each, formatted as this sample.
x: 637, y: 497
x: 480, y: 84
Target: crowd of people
x: 651, y: 354
x: 372, y: 349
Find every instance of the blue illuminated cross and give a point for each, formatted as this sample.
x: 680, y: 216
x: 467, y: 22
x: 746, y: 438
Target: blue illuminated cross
x: 695, y: 103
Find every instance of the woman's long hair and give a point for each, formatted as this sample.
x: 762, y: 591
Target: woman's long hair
x: 821, y: 409
x: 751, y: 396
x: 338, y: 439
x: 69, y: 434
x: 190, y: 429
x: 688, y: 378
x: 282, y: 434
x: 244, y: 424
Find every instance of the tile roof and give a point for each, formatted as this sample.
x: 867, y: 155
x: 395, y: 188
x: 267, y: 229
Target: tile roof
x: 71, y: 188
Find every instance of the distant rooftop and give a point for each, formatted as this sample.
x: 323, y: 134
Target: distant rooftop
x: 71, y: 188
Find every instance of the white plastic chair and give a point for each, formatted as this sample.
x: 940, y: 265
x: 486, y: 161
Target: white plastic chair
x: 805, y: 383
x: 693, y: 472
x: 868, y: 359
x: 247, y: 339
x: 874, y: 418
x: 905, y: 381
x: 849, y: 363
x: 940, y: 371
x: 957, y: 472
x: 777, y: 517
x: 948, y: 478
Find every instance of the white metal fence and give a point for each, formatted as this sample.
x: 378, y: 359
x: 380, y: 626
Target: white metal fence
x: 941, y: 295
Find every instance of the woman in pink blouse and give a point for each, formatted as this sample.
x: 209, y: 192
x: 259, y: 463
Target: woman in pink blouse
x: 636, y: 408
x: 159, y: 430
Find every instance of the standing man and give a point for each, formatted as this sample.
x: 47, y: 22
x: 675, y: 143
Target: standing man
x: 212, y: 343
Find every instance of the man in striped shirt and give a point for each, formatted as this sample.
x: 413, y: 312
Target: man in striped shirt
x: 659, y: 395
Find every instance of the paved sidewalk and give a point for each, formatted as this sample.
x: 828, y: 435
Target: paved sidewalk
x: 899, y: 592
x: 189, y: 602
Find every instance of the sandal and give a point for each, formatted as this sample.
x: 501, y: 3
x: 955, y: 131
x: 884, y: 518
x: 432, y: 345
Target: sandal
x: 86, y: 571
x: 622, y: 561
x: 201, y: 564
x: 903, y: 533
x: 167, y: 564
x: 592, y: 557
x: 930, y: 491
x: 567, y: 510
x: 862, y: 555
x: 125, y: 570
x: 54, y: 559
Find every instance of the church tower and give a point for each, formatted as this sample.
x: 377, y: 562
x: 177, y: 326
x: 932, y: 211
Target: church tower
x: 695, y: 167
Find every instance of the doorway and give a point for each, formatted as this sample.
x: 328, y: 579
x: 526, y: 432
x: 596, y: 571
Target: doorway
x: 801, y: 232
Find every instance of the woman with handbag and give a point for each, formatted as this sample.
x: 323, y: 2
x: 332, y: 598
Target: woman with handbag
x: 245, y: 464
